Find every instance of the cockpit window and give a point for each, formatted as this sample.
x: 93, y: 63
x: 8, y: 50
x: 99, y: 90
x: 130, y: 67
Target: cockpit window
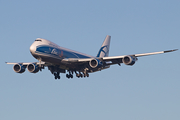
x: 38, y: 40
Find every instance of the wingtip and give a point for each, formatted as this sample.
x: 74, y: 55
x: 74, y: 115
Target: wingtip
x: 170, y: 50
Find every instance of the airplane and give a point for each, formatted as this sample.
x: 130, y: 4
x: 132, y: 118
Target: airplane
x: 63, y: 60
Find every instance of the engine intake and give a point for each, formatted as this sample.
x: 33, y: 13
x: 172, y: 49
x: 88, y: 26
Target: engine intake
x: 129, y: 60
x: 95, y: 63
x: 33, y: 68
x: 19, y: 68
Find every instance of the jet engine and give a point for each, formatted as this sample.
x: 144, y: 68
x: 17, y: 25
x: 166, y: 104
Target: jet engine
x: 33, y: 68
x: 129, y: 60
x: 95, y: 63
x: 19, y: 68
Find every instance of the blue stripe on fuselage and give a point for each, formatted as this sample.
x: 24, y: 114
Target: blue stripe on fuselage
x: 57, y: 52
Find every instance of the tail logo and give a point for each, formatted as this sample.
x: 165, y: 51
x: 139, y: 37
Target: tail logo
x: 104, y: 50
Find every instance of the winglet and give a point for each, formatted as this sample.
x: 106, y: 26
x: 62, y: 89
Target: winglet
x: 170, y: 50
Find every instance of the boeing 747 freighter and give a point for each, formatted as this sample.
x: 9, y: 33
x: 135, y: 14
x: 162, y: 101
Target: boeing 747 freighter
x: 62, y: 60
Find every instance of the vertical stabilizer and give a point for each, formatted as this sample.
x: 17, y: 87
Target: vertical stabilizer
x: 104, y: 50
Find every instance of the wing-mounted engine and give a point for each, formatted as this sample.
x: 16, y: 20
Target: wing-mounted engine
x: 95, y: 63
x: 19, y: 68
x: 129, y: 60
x: 33, y: 68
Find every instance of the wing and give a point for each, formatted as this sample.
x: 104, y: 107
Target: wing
x: 138, y: 55
x: 119, y: 59
x: 77, y: 64
x: 32, y: 67
x: 113, y: 59
x: 25, y: 64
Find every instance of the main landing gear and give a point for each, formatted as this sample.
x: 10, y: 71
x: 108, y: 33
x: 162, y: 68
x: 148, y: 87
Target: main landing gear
x: 70, y: 75
x: 56, y: 75
x: 84, y: 74
x: 79, y: 75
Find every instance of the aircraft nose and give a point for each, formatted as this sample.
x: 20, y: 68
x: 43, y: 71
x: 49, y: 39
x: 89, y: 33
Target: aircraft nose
x: 32, y: 48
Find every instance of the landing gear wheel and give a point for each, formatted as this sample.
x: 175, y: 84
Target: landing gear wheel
x: 67, y: 76
x: 87, y: 75
x: 77, y: 75
x: 81, y: 75
x: 56, y: 75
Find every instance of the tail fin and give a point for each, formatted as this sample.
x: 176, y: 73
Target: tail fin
x: 104, y: 50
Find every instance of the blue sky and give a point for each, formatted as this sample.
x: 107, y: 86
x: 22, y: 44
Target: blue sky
x: 148, y: 90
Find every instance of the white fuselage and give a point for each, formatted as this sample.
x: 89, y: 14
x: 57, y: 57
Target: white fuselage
x: 47, y: 51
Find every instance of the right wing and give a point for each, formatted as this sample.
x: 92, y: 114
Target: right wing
x: 25, y: 64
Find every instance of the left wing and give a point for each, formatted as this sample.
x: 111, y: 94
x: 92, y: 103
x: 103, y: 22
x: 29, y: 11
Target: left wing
x: 137, y: 55
x: 127, y: 59
x: 130, y: 59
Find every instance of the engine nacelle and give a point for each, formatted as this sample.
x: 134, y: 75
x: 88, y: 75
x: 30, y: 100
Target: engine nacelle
x: 33, y: 68
x: 129, y: 60
x: 19, y: 68
x: 95, y: 63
